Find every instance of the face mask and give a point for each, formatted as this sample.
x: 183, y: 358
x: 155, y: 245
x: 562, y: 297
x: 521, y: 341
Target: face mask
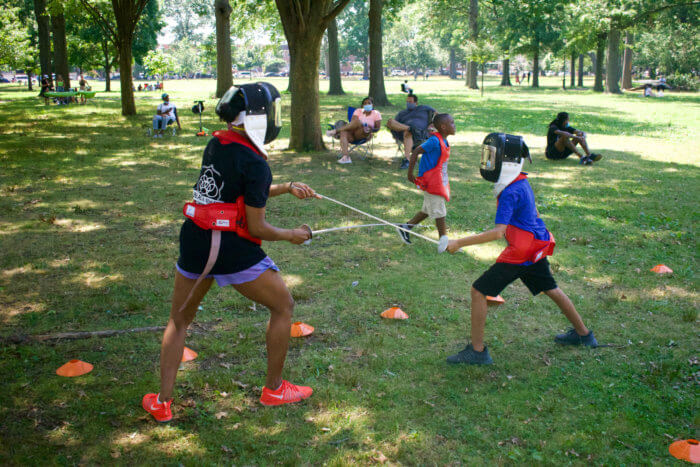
x: 411, y: 105
x: 367, y: 108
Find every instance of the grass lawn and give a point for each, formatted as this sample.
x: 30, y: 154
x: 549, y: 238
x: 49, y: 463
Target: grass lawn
x: 90, y: 210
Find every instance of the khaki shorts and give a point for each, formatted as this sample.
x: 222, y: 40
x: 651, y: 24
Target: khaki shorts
x: 434, y: 206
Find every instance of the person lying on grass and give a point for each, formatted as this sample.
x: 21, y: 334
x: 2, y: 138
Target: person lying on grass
x: 525, y: 257
x: 432, y: 177
x: 234, y: 178
x: 562, y: 140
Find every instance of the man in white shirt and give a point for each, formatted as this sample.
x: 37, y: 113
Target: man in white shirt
x: 166, y: 114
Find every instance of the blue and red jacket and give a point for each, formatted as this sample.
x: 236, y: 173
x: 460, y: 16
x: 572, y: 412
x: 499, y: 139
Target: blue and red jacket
x: 435, y: 180
x: 528, y: 238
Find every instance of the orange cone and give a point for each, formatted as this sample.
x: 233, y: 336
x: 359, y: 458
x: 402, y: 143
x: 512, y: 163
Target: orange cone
x: 74, y: 368
x: 188, y: 354
x: 687, y: 450
x: 661, y: 269
x: 300, y: 329
x: 394, y: 313
x: 494, y: 301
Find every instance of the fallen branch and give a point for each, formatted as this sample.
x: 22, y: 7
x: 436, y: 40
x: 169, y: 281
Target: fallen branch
x: 21, y: 339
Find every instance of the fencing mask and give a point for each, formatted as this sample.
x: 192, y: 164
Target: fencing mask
x: 502, y: 159
x: 257, y: 107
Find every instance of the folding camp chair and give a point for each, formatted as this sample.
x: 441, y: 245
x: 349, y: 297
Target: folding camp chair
x: 363, y: 147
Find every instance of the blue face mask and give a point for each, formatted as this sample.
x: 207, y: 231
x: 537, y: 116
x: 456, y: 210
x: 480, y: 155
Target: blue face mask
x: 411, y: 105
x: 367, y: 108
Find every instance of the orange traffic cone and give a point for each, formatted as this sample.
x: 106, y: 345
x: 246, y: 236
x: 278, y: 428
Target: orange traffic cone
x: 661, y: 269
x: 188, y: 354
x: 394, y: 313
x: 74, y: 368
x: 687, y: 450
x: 300, y: 329
x: 494, y: 301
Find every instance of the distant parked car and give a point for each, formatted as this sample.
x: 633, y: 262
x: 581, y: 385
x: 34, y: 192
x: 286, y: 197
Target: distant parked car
x: 4, y: 80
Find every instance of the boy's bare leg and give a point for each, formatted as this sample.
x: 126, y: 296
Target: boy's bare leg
x: 441, y: 226
x: 417, y: 219
x: 567, y: 307
x: 479, y: 310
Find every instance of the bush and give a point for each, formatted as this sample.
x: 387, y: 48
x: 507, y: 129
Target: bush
x: 683, y: 82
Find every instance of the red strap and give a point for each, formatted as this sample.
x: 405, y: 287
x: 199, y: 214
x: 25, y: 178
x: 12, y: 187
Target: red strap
x: 229, y: 136
x: 213, y: 254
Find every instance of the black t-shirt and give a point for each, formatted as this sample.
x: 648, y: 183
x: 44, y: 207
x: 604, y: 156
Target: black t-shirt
x: 553, y: 137
x: 418, y: 118
x: 228, y: 171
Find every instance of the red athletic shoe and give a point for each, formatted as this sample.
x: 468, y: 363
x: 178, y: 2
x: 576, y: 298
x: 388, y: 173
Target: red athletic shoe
x: 160, y: 411
x: 286, y: 394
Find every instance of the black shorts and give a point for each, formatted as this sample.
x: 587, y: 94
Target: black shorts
x: 553, y: 153
x: 536, y: 277
x: 419, y: 136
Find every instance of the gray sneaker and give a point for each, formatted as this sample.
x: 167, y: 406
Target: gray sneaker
x: 571, y: 337
x: 471, y: 356
x: 405, y: 236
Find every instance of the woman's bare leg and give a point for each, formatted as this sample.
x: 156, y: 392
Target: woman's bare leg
x: 582, y: 141
x: 270, y: 290
x: 174, y: 335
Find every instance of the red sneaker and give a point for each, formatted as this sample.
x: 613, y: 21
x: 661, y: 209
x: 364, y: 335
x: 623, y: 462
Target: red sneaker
x: 160, y: 411
x: 286, y: 394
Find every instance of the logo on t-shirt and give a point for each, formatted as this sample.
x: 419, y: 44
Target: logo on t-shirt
x: 209, y: 186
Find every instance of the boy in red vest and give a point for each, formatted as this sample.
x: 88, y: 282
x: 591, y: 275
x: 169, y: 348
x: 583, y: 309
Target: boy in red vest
x: 432, y: 177
x: 525, y: 257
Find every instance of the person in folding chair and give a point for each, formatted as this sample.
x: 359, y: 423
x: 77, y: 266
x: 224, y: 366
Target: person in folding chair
x: 363, y: 124
x: 410, y: 127
x: 166, y: 114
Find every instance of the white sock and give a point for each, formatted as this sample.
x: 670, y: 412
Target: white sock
x: 158, y: 399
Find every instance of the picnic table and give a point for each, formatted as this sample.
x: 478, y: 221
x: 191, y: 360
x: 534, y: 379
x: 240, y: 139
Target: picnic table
x: 87, y: 94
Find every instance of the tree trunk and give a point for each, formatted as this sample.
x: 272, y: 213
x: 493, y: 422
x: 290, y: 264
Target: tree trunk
x: 376, y: 68
x: 306, y: 120
x: 467, y: 65
x: 58, y: 24
x: 573, y: 69
x: 536, y: 67
x: 108, y: 66
x: 224, y: 77
x: 580, y: 70
x: 29, y: 80
x: 505, y: 78
x: 365, y: 67
x: 627, y: 62
x: 335, y: 87
x: 42, y: 20
x: 473, y: 36
x: 612, y: 77
x: 599, y: 59
x: 125, y: 79
x: 289, y: 75
x: 453, y: 63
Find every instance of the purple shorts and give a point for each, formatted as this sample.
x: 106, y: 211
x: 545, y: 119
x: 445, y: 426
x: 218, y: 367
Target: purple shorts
x: 240, y: 277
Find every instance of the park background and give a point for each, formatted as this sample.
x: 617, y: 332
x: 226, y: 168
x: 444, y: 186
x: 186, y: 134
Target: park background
x: 90, y: 212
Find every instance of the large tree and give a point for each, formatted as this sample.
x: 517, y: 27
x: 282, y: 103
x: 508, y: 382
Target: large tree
x: 224, y: 76
x: 473, y: 37
x: 335, y: 84
x: 60, y: 47
x: 376, y: 68
x: 304, y: 26
x: 44, y: 39
x: 121, y: 29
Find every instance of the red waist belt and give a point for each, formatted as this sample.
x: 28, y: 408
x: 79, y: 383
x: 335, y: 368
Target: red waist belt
x: 228, y: 217
x: 217, y: 217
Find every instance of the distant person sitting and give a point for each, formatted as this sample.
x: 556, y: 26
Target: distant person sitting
x: 166, y: 114
x: 411, y: 126
x: 45, y: 87
x: 364, y: 121
x: 562, y: 140
x: 83, y: 84
x: 140, y: 88
x: 405, y: 87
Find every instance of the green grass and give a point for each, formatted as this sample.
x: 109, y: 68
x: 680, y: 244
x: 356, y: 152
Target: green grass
x: 89, y: 217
